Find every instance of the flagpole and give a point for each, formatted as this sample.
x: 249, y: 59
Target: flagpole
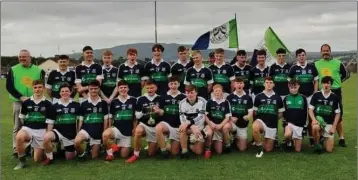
x: 237, y: 33
x: 155, y: 20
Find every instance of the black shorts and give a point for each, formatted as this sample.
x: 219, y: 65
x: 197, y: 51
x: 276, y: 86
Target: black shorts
x: 338, y: 92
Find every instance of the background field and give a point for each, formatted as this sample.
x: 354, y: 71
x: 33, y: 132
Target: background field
x: 342, y: 164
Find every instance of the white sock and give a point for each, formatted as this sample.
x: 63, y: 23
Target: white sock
x: 136, y: 153
x: 341, y: 137
x: 110, y: 152
x: 49, y: 155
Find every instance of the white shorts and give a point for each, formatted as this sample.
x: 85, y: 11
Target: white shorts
x: 218, y: 136
x: 296, y: 131
x: 326, y: 131
x: 121, y: 140
x: 63, y: 140
x: 269, y: 133
x: 173, y: 132
x: 201, y: 137
x: 36, y: 136
x: 149, y: 133
x: 240, y: 132
x: 92, y: 141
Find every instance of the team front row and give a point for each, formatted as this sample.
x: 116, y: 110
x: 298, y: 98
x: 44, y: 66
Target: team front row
x: 188, y: 122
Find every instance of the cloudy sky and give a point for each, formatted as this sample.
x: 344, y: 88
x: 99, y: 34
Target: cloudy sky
x: 43, y: 26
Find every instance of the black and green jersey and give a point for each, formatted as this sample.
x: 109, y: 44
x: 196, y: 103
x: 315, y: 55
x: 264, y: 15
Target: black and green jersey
x: 133, y: 76
x: 144, y: 110
x: 109, y: 82
x: 325, y: 106
x: 65, y: 116
x: 35, y: 114
x: 170, y: 105
x: 279, y: 73
x: 295, y: 109
x: 223, y: 75
x: 218, y: 110
x: 240, y: 107
x: 257, y: 79
x: 179, y: 69
x: 123, y: 114
x: 158, y: 74
x: 200, y: 78
x: 56, y: 79
x: 267, y: 108
x: 93, y: 114
x: 86, y: 74
x: 306, y: 74
x: 244, y: 73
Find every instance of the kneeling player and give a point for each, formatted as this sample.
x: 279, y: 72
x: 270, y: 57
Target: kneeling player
x: 93, y: 121
x: 171, y: 121
x: 148, y: 114
x: 65, y: 113
x: 192, y: 118
x: 295, y: 115
x: 122, y: 123
x: 218, y: 113
x: 268, y: 108
x: 241, y: 110
x: 35, y: 117
x: 324, y: 110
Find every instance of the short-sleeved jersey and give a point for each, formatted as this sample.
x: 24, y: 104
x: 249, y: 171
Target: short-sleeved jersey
x: 267, y: 108
x: 133, y: 75
x: 200, y: 78
x: 218, y: 110
x: 65, y: 117
x: 223, y: 75
x: 306, y: 75
x: 244, y: 73
x: 170, y: 106
x: 158, y: 74
x: 280, y: 78
x: 240, y: 107
x: 325, y: 106
x: 93, y: 115
x: 195, y: 113
x: 56, y: 79
x: 179, y: 69
x: 123, y: 114
x: 257, y: 79
x: 86, y: 74
x: 109, y: 81
x: 35, y: 114
x: 144, y: 110
x: 295, y: 109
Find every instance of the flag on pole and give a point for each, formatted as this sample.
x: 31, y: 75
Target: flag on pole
x: 221, y: 36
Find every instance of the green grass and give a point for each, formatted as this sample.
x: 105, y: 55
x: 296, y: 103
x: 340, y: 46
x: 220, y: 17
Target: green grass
x: 277, y: 165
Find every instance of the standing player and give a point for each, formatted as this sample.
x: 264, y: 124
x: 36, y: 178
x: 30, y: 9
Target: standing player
x: 122, y: 123
x: 86, y: 72
x: 268, y: 109
x: 200, y: 76
x: 328, y: 66
x: 35, y: 117
x: 223, y: 73
x: 148, y: 114
x: 59, y: 76
x: 295, y: 115
x: 110, y: 74
x: 132, y: 73
x: 192, y: 118
x: 93, y: 121
x: 171, y: 120
x: 324, y: 111
x: 241, y: 108
x: 179, y: 68
x: 307, y: 75
x: 242, y: 69
x: 218, y: 113
x: 64, y: 114
x: 258, y: 74
x: 158, y: 70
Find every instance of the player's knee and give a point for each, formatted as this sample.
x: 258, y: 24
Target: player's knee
x: 226, y: 128
x: 315, y: 127
x: 106, y: 134
x: 47, y: 138
x: 139, y: 131
x: 256, y: 127
x: 159, y: 129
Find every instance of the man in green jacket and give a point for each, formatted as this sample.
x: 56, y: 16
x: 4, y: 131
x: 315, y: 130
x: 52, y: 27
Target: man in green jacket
x: 329, y: 66
x: 19, y: 87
